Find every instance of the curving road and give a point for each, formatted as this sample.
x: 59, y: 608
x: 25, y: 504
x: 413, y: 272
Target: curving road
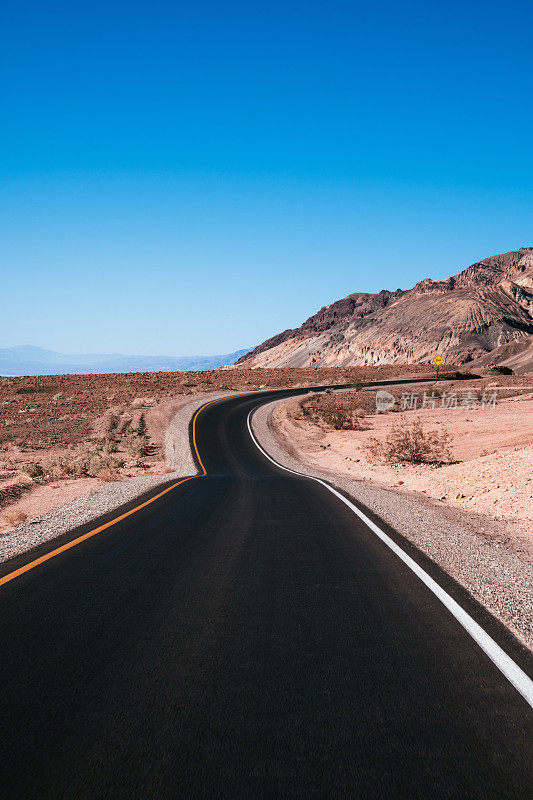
x: 246, y: 635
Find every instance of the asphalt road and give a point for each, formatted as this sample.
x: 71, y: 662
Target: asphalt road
x: 246, y: 636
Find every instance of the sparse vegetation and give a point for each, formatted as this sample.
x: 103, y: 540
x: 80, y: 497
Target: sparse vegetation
x: 32, y: 469
x: 410, y: 444
x: 334, y: 411
x: 110, y: 446
x: 341, y: 418
x: 14, y: 517
x: 107, y: 474
x: 81, y: 462
x: 61, y: 466
x: 98, y: 461
x: 136, y: 445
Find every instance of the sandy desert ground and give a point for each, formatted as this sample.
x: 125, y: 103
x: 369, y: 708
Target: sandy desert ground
x: 490, y: 474
x: 50, y: 421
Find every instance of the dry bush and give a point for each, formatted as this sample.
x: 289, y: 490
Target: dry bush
x: 98, y: 461
x: 333, y: 415
x: 14, y: 517
x: 109, y: 446
x: 341, y: 418
x: 136, y: 445
x: 32, y: 469
x: 107, y: 474
x: 81, y: 462
x: 410, y: 444
x: 60, y: 466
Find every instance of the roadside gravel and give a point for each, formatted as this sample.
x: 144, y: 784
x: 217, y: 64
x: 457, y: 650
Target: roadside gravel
x: 496, y: 576
x: 112, y: 495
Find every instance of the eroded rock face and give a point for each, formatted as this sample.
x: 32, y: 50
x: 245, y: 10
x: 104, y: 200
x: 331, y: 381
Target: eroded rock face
x: 483, y: 313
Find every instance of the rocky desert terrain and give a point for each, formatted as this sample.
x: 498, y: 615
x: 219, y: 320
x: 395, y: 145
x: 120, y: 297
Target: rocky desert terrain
x: 61, y: 436
x: 482, y: 315
x: 75, y: 447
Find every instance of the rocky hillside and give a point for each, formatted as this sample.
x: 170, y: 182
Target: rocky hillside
x: 482, y: 315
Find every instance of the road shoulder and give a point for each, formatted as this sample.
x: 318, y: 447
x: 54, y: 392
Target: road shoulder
x: 493, y: 575
x: 100, y: 503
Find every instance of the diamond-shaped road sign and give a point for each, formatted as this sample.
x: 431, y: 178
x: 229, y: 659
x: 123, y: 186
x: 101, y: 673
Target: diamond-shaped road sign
x: 438, y: 360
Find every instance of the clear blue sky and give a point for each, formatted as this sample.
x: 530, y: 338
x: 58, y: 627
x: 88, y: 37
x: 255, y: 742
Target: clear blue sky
x: 187, y: 178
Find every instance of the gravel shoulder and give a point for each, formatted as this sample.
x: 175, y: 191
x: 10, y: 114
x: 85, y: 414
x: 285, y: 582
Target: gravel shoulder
x: 498, y: 577
x: 98, y: 501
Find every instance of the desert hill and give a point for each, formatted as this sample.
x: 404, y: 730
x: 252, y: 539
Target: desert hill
x: 484, y: 315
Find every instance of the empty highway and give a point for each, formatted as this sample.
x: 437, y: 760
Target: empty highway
x: 246, y: 635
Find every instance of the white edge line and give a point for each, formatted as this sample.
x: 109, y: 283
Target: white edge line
x: 499, y: 657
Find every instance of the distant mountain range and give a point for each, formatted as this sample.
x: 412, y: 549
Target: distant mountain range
x: 483, y: 315
x: 30, y: 360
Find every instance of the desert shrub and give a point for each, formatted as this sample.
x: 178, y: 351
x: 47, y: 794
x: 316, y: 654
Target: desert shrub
x: 98, y: 461
x: 107, y: 474
x: 160, y: 471
x: 141, y: 426
x: 109, y: 446
x: 341, y: 418
x: 14, y: 517
x: 321, y: 410
x: 410, y: 444
x: 136, y: 445
x: 32, y: 469
x: 60, y: 466
x: 82, y: 462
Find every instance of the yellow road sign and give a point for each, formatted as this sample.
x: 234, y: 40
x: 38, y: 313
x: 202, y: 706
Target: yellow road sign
x: 438, y: 360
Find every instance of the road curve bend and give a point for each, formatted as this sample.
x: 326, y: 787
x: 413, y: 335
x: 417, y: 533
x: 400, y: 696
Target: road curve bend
x: 247, y: 635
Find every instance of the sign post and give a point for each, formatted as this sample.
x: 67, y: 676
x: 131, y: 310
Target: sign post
x: 438, y: 361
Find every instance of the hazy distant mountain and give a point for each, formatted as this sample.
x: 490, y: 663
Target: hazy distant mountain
x: 30, y: 360
x: 482, y: 315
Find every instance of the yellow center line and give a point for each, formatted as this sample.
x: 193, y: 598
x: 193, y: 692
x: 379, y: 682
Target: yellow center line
x: 11, y: 575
